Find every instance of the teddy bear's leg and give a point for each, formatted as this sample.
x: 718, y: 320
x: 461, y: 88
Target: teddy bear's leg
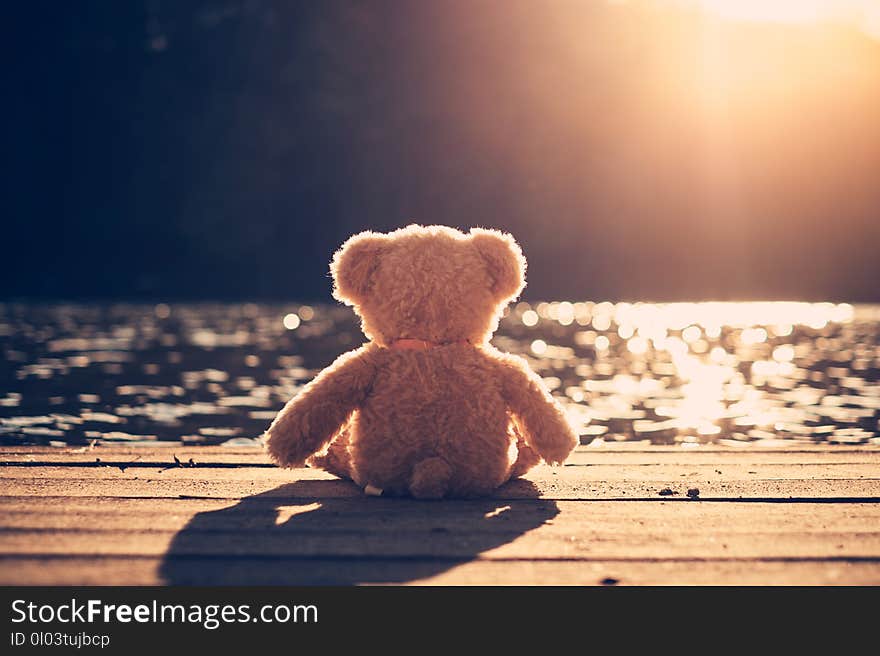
x: 337, y: 459
x: 526, y: 457
x: 430, y: 479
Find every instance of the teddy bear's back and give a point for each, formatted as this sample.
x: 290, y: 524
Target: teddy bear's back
x: 445, y: 401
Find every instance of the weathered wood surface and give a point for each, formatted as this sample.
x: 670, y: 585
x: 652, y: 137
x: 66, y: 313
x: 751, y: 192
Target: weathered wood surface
x: 135, y: 515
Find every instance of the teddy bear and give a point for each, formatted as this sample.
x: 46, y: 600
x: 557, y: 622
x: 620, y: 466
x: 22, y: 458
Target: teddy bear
x: 427, y: 407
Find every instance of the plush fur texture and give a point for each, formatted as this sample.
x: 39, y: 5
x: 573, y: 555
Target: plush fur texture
x: 441, y: 413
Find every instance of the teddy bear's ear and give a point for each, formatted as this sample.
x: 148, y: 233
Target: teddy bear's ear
x: 504, y: 261
x: 353, y: 265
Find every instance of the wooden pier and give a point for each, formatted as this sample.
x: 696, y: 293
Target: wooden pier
x: 620, y: 514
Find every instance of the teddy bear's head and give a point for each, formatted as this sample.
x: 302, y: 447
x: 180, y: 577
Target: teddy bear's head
x: 429, y: 282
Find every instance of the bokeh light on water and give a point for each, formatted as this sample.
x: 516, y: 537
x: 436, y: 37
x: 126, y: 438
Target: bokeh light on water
x: 679, y: 373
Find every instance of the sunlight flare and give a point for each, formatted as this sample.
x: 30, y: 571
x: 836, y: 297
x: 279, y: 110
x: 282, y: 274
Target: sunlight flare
x: 865, y: 14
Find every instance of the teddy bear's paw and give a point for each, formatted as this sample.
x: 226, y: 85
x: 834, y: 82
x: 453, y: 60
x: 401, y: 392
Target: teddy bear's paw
x: 281, y: 453
x: 557, y: 448
x: 556, y: 456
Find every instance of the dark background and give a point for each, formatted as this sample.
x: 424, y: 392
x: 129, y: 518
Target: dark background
x: 172, y: 150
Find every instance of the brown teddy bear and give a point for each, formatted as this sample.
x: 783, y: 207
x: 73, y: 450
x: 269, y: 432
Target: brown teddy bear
x: 427, y: 407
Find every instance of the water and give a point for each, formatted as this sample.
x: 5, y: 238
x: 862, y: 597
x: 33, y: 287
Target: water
x: 689, y: 374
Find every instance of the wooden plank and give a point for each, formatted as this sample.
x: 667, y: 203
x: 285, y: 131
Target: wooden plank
x: 610, y: 471
x: 517, y: 531
x: 403, y: 544
x: 355, y: 514
x: 280, y: 571
x: 625, y: 451
x: 549, y: 486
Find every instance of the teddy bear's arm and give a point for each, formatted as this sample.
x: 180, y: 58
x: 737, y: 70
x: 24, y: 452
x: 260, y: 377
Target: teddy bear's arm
x: 310, y: 419
x: 540, y: 415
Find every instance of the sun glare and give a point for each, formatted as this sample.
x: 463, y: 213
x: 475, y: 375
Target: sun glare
x: 863, y: 13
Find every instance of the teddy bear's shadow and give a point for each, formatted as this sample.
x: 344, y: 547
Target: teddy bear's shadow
x: 305, y: 533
